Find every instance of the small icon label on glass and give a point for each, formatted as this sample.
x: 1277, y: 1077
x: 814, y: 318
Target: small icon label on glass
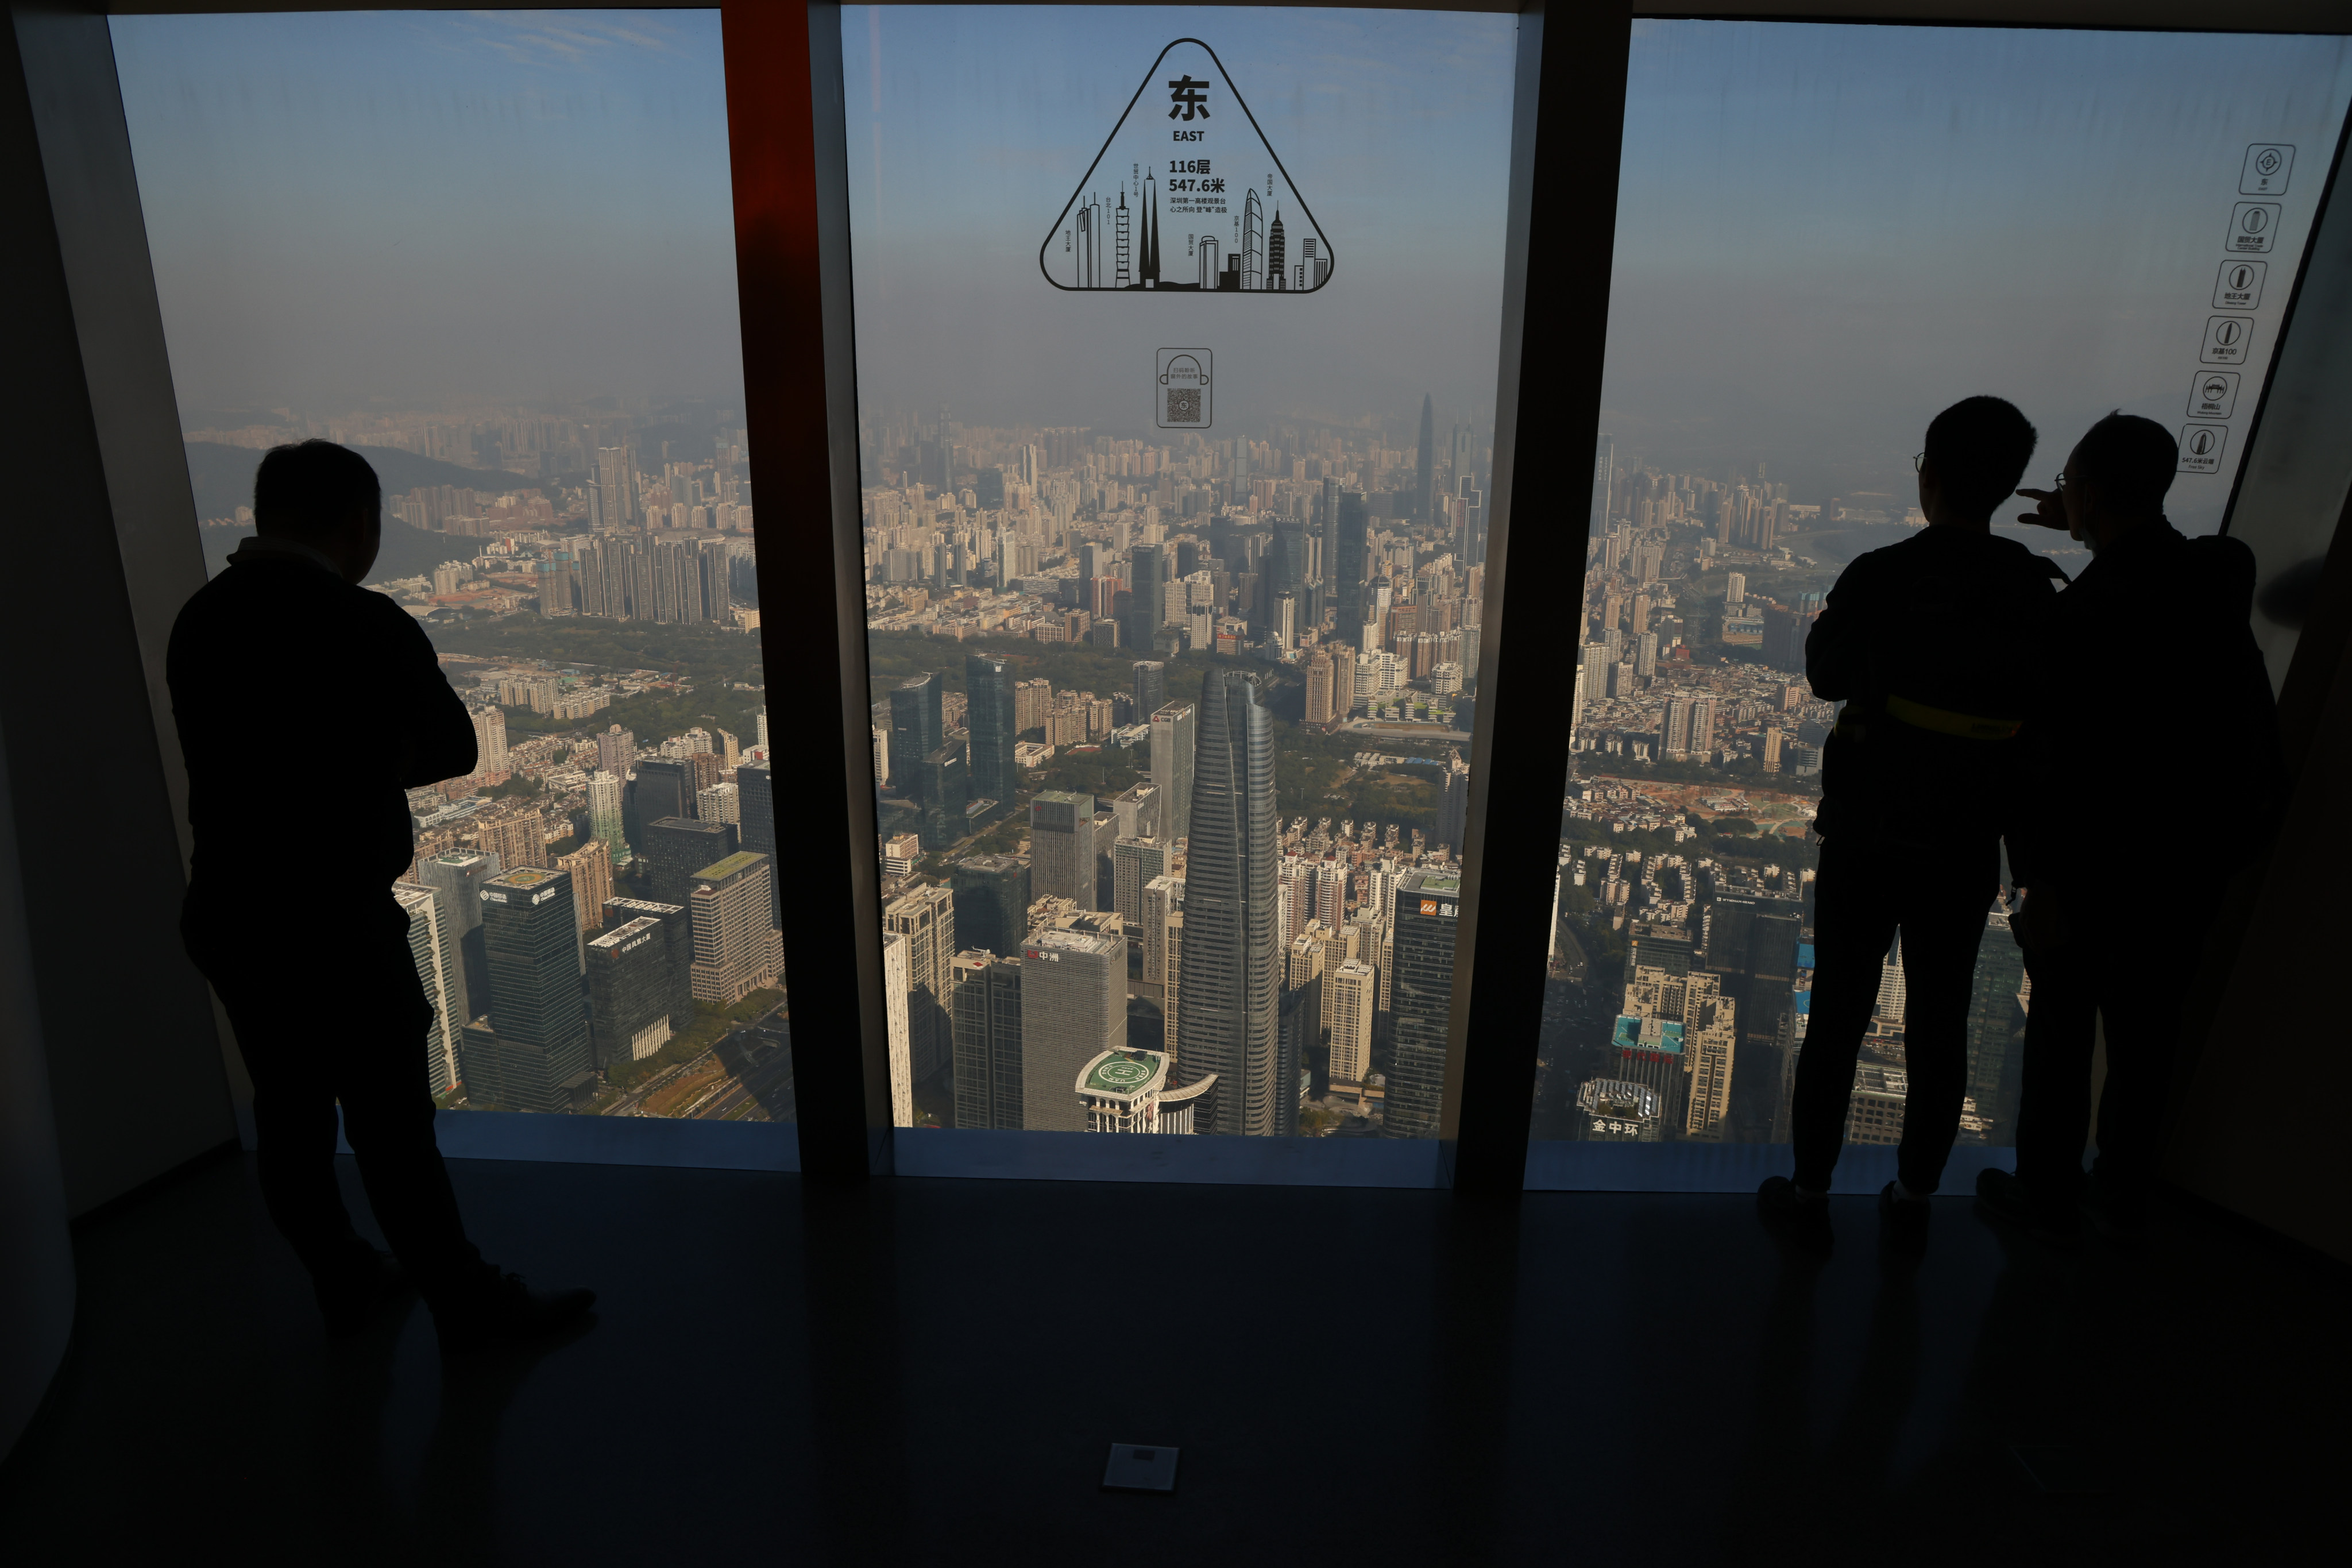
x: 2200, y: 448
x: 2214, y: 395
x: 2227, y: 339
x: 2253, y: 224
x: 1180, y: 390
x: 2268, y: 163
x: 2240, y: 286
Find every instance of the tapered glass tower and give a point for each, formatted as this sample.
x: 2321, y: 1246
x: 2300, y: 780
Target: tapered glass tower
x: 1232, y: 963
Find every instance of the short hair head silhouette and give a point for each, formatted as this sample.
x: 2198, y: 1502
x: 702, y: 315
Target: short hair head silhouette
x: 1976, y: 452
x: 326, y: 497
x: 2128, y: 463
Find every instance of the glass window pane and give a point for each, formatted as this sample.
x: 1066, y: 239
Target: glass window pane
x: 495, y: 254
x: 1826, y: 235
x: 1176, y: 368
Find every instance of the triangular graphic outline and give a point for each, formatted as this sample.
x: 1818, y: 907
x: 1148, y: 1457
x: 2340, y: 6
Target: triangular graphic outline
x: 1053, y: 233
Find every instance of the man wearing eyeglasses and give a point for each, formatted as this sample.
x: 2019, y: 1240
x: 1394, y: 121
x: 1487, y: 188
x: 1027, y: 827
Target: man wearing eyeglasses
x: 1931, y: 646
x: 2156, y: 629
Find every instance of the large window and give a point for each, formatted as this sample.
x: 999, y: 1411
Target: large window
x: 496, y: 254
x: 1824, y: 234
x: 1177, y: 337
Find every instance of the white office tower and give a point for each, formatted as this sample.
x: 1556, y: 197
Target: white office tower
x: 1172, y: 743
x: 433, y: 943
x: 1073, y: 1009
x: 895, y: 953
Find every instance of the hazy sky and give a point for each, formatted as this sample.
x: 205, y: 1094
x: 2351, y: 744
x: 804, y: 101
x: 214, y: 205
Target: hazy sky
x: 423, y: 207
x: 1827, y: 233
x: 969, y: 128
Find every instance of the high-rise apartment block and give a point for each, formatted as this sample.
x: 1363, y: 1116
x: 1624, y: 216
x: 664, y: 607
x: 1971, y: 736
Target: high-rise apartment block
x: 516, y: 840
x: 1350, y: 998
x: 606, y: 817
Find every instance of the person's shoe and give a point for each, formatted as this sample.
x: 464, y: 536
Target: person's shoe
x: 2118, y: 1225
x: 508, y: 1309
x: 1902, y: 1224
x: 348, y: 1301
x: 1800, y: 1219
x: 2003, y: 1196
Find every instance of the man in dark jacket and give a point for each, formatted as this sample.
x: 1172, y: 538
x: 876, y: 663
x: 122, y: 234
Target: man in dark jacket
x: 2158, y: 626
x: 282, y: 667
x: 1930, y: 645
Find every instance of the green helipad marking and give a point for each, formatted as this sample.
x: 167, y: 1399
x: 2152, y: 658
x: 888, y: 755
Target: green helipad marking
x: 1121, y: 1074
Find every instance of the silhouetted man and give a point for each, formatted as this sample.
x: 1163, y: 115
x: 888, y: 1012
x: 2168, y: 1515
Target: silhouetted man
x: 2157, y: 630
x: 1930, y: 646
x: 306, y: 706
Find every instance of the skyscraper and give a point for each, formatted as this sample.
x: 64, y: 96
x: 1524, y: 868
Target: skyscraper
x: 531, y: 1054
x: 614, y: 492
x: 675, y: 847
x: 665, y: 787
x: 432, y: 945
x: 987, y: 999
x: 1278, y: 275
x: 988, y: 681
x: 1604, y: 475
x: 1352, y: 563
x: 1421, y: 997
x: 1149, y: 576
x: 457, y: 880
x: 1062, y: 848
x: 735, y: 949
x: 1151, y: 686
x: 1134, y: 862
x: 942, y: 791
x: 925, y: 918
x: 991, y: 901
x: 1073, y: 1009
x: 1253, y: 255
x: 894, y: 1027
x: 1124, y: 278
x: 1426, y: 463
x: 1352, y: 995
x: 1997, y: 1029
x: 1172, y: 761
x: 916, y: 728
x: 616, y: 750
x: 605, y: 815
x: 1232, y: 961
x: 633, y: 991
x: 755, y: 786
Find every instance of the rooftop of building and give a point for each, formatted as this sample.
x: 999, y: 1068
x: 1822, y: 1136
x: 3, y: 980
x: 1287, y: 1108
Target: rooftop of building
x: 1638, y: 1034
x: 740, y: 861
x: 619, y: 934
x: 1066, y: 941
x: 524, y: 876
x: 1123, y: 1074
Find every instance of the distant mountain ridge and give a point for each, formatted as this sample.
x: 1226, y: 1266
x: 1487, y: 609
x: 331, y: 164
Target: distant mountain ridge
x: 222, y: 476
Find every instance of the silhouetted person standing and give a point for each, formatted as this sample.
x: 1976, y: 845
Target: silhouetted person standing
x: 306, y: 706
x: 1930, y: 646
x: 2154, y: 640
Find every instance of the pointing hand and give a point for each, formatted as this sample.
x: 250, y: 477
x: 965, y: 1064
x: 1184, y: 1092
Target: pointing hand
x: 2050, y: 511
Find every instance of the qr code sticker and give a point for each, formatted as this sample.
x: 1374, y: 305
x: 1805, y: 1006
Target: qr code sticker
x: 1183, y: 405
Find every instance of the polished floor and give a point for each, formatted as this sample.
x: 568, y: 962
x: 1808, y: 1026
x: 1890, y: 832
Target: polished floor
x: 932, y: 1371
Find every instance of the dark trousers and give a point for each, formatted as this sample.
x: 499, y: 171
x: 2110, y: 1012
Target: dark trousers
x: 333, y: 1012
x: 2125, y: 961
x: 1865, y: 892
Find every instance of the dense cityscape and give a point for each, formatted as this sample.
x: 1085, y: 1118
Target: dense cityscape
x: 1168, y: 741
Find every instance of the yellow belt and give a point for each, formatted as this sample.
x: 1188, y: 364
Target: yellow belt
x: 1967, y: 726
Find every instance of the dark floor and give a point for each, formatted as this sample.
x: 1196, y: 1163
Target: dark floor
x: 932, y: 1371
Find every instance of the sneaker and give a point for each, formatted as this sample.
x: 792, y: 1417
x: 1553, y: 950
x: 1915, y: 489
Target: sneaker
x: 2002, y: 1195
x: 1793, y: 1216
x: 510, y: 1310
x: 348, y: 1299
x: 1902, y: 1224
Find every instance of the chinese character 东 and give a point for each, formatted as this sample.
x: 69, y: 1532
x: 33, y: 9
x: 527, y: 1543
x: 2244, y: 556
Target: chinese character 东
x: 1190, y: 102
